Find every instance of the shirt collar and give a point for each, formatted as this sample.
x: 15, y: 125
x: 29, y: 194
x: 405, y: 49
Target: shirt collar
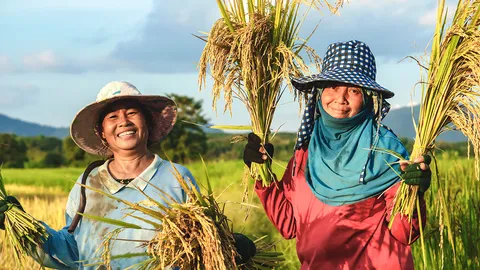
x: 139, y: 182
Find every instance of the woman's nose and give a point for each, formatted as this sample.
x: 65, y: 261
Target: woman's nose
x: 340, y: 97
x: 123, y: 120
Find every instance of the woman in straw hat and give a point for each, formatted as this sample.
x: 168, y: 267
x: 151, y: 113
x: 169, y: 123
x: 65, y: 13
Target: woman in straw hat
x: 336, y: 195
x: 120, y: 125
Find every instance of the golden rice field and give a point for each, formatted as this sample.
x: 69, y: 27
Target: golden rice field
x: 45, y: 194
x: 46, y: 204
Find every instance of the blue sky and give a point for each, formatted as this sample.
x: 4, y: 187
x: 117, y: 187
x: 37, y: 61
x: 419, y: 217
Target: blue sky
x: 56, y: 55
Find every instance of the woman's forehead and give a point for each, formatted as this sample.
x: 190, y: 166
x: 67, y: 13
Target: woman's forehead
x: 340, y: 84
x: 122, y: 104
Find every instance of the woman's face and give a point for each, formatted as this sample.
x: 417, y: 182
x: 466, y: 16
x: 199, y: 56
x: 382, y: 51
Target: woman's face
x: 124, y: 128
x: 342, y: 100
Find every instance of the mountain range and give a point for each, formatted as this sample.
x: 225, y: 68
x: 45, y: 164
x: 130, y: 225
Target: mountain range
x: 23, y: 128
x: 399, y: 120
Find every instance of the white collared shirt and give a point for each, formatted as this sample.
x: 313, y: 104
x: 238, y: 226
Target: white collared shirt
x: 66, y: 251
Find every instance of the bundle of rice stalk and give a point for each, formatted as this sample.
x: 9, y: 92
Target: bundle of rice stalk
x: 21, y: 229
x: 264, y: 258
x: 450, y: 95
x: 192, y: 235
x: 252, y: 50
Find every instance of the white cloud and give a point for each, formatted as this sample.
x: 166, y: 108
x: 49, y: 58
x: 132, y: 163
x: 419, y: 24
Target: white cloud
x: 380, y: 4
x: 74, y: 4
x: 44, y: 60
x: 6, y: 64
x: 429, y: 18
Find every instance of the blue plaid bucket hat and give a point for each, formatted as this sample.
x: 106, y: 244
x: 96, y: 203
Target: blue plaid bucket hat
x: 346, y: 62
x: 349, y: 62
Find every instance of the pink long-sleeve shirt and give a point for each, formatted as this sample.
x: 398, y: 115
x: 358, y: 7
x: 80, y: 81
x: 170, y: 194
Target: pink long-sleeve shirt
x: 354, y: 236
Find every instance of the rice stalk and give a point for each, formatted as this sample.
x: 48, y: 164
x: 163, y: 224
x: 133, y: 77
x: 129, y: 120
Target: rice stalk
x: 22, y: 230
x: 450, y: 96
x: 251, y: 52
x: 192, y: 235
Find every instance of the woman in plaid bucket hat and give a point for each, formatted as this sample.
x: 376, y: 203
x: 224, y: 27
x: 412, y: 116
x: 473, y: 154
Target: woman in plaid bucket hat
x: 336, y: 195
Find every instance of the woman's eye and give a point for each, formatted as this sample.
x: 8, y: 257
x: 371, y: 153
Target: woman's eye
x: 112, y: 116
x: 132, y: 113
x: 355, y: 91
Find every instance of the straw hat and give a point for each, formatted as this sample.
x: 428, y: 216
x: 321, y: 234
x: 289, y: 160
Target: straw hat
x: 347, y: 62
x: 83, y: 128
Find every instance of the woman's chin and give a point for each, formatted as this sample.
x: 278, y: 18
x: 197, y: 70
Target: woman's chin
x: 137, y: 147
x: 339, y: 115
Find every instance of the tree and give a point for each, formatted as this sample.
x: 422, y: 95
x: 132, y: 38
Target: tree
x: 12, y: 151
x: 43, y: 152
x: 74, y: 156
x: 186, y: 141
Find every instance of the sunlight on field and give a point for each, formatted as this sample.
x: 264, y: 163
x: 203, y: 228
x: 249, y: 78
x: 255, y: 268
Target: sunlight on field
x: 46, y: 200
x: 45, y: 204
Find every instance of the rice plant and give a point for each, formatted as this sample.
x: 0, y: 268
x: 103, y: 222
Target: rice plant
x: 193, y: 235
x: 252, y: 51
x: 450, y: 94
x: 21, y: 229
x: 452, y: 243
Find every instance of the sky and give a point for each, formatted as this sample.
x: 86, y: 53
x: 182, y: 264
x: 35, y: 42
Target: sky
x: 55, y: 55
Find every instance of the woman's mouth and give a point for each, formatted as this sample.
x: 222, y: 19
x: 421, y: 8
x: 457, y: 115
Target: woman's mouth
x: 126, y: 133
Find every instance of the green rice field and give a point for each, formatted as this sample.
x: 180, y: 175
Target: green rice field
x: 451, y: 236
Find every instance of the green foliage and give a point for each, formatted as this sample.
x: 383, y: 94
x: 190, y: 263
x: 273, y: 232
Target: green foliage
x: 458, y: 187
x: 186, y: 142
x: 12, y: 151
x: 74, y: 156
x: 221, y: 148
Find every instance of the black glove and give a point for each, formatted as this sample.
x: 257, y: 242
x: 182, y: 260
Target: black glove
x: 245, y: 248
x: 414, y: 175
x: 253, y: 153
x: 4, y: 207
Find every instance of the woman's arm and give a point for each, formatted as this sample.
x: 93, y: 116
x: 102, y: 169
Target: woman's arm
x: 277, y: 204
x: 60, y: 249
x: 404, y: 231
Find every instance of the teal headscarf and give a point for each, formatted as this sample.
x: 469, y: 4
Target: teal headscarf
x: 339, y: 153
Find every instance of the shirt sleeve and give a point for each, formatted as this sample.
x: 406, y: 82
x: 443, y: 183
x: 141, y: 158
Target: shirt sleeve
x: 60, y: 249
x: 277, y: 204
x: 403, y: 230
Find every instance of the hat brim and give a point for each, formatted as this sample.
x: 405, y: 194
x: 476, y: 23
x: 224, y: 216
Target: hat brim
x: 83, y: 133
x: 340, y: 75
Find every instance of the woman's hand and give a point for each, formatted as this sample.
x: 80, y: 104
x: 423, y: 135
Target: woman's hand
x: 417, y: 173
x: 255, y: 152
x: 4, y: 206
x: 245, y: 247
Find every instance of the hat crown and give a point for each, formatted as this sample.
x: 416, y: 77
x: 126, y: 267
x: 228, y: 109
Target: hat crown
x: 352, y: 55
x: 115, y: 89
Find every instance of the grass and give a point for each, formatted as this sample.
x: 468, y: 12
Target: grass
x: 62, y: 178
x: 462, y: 192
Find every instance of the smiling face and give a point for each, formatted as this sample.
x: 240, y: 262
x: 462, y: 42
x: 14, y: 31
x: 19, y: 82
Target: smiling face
x: 342, y: 100
x: 124, y: 127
